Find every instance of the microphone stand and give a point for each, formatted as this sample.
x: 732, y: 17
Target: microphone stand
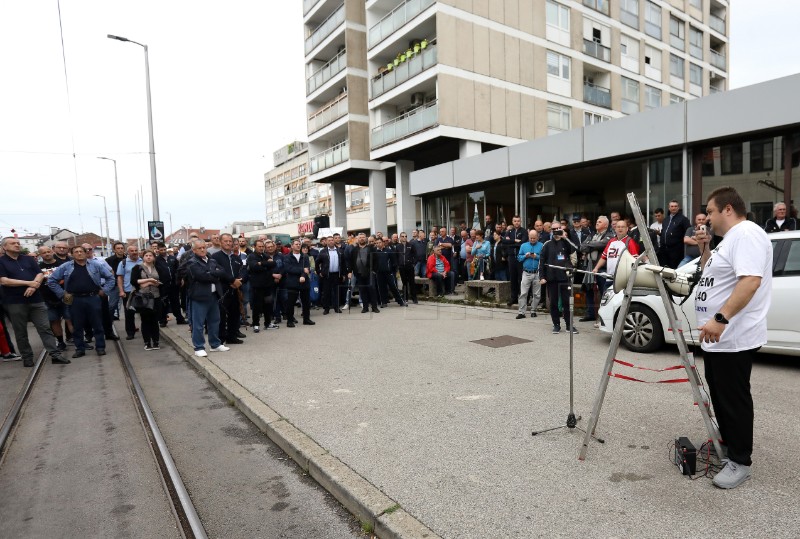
x: 572, y: 419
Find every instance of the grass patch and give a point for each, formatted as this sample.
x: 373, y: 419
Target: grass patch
x: 367, y: 527
x: 392, y: 509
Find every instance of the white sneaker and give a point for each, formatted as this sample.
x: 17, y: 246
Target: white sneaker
x: 221, y: 348
x: 732, y: 475
x: 200, y: 353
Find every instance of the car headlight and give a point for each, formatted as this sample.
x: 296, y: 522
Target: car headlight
x: 607, y: 295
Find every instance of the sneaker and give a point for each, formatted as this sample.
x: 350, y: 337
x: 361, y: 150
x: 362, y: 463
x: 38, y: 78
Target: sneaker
x: 256, y: 329
x: 520, y: 316
x: 220, y: 348
x: 732, y: 475
x: 147, y: 347
x: 533, y: 314
x: 574, y: 330
x: 11, y: 357
x: 200, y: 353
x: 61, y: 345
x: 155, y: 347
x: 556, y: 330
x: 273, y: 326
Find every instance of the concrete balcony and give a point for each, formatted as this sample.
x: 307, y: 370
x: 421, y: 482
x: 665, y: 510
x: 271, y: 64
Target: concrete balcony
x: 328, y: 114
x: 413, y: 121
x: 593, y: 48
x: 404, y: 71
x: 326, y: 28
x: 717, y: 23
x: 596, y: 95
x: 718, y: 60
x: 334, y: 66
x: 395, y: 19
x: 330, y: 157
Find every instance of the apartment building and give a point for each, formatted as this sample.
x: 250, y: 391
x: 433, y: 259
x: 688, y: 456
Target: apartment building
x: 454, y: 78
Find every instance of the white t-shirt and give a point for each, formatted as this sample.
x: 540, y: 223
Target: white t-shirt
x: 744, y: 251
x: 614, y: 249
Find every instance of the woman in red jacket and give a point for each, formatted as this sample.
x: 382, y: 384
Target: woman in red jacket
x: 439, y: 271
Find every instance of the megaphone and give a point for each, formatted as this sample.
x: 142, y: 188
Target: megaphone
x: 677, y: 282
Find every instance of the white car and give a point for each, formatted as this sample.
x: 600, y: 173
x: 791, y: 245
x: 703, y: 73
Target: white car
x: 647, y: 326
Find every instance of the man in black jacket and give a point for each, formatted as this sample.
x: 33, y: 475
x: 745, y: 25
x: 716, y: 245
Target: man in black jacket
x: 673, y: 229
x: 361, y: 266
x: 231, y: 264
x: 385, y: 268
x: 556, y: 254
x: 330, y: 266
x: 298, y: 270
x: 420, y: 247
x: 260, y: 269
x: 203, y: 288
x: 512, y: 240
x: 114, y: 261
x: 406, y: 259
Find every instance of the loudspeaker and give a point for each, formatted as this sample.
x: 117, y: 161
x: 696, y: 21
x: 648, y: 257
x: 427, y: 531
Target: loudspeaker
x: 321, y: 221
x: 678, y: 283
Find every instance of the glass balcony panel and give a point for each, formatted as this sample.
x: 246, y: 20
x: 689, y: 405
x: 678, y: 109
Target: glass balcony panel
x: 405, y: 71
x: 325, y: 29
x: 326, y: 72
x: 596, y: 95
x: 717, y: 23
x: 328, y: 114
x: 397, y: 18
x: 409, y: 123
x: 330, y: 157
x: 308, y: 4
x: 593, y: 48
x: 718, y: 60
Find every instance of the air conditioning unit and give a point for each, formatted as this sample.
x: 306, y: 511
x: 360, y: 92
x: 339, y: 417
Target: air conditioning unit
x: 543, y: 188
x: 417, y: 99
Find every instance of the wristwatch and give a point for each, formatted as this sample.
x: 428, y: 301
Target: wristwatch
x: 720, y: 318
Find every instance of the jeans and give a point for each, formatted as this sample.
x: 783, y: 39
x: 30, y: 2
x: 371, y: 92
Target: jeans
x: 686, y: 260
x: 113, y: 302
x: 205, y: 313
x: 421, y: 269
x: 85, y: 311
x: 36, y: 313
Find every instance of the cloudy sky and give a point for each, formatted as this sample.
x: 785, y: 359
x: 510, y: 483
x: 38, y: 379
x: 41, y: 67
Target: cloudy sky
x: 228, y: 88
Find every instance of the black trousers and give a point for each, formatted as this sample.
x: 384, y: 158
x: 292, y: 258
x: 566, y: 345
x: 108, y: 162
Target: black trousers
x: 386, y: 286
x: 150, y: 317
x: 514, y: 276
x: 556, y: 290
x: 409, y: 288
x: 262, y: 299
x: 130, y: 315
x: 305, y: 303
x: 366, y: 291
x: 330, y: 291
x: 229, y: 318
x: 728, y: 377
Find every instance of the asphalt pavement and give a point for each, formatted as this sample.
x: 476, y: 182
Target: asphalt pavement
x: 441, y: 426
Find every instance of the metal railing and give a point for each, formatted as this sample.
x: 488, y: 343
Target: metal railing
x: 593, y: 48
x: 328, y: 114
x: 717, y: 23
x: 397, y: 18
x: 325, y: 28
x: 596, y: 95
x: 330, y: 157
x: 718, y: 60
x: 325, y: 73
x: 631, y: 19
x: 402, y: 72
x: 413, y: 121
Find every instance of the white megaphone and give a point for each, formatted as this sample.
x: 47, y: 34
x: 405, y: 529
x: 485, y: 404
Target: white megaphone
x: 677, y: 282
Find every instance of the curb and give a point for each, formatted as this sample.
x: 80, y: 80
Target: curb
x: 363, y: 499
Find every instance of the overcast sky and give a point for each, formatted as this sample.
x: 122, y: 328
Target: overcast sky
x: 228, y: 89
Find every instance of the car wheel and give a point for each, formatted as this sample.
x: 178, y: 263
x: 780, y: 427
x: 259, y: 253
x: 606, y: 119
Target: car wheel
x: 642, y: 330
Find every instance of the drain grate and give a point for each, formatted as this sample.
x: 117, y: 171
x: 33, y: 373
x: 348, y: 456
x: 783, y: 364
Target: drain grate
x: 501, y: 341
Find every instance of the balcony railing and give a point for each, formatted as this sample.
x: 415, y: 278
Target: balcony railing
x: 330, y: 157
x: 397, y: 18
x: 328, y: 114
x: 326, y: 72
x: 718, y: 60
x: 308, y: 4
x: 411, y: 122
x: 631, y: 19
x: 596, y: 95
x: 405, y: 71
x: 325, y: 29
x: 717, y: 23
x: 593, y: 48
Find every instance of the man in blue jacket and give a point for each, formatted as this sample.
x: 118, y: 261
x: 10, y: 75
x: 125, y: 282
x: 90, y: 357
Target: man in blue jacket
x: 204, y: 291
x: 528, y: 255
x: 85, y: 283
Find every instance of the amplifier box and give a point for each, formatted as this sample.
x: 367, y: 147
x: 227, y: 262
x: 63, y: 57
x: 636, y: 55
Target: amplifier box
x: 685, y: 456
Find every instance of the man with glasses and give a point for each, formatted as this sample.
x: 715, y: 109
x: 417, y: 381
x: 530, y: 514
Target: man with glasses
x: 556, y: 254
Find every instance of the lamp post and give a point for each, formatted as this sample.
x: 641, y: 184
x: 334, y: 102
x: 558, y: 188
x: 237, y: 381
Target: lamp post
x: 100, y: 220
x: 171, y: 230
x: 153, y: 181
x: 116, y: 189
x: 108, y: 237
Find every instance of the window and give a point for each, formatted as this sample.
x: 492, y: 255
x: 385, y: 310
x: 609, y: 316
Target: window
x: 677, y: 35
x: 761, y: 155
x: 629, y: 13
x: 591, y: 118
x: 652, y: 63
x: 695, y: 42
x: 557, y: 15
x: 599, y: 5
x: 696, y: 3
x: 652, y: 97
x: 557, y: 65
x: 629, y: 48
x: 652, y: 20
x: 559, y: 118
x: 792, y: 266
x: 675, y: 99
x: 676, y: 68
x: 695, y: 74
x: 630, y: 96
x: 731, y: 159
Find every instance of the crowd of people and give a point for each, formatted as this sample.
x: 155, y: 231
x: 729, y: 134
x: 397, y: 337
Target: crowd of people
x: 218, y: 285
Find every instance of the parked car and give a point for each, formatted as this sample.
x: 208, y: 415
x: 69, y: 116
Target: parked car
x: 647, y: 328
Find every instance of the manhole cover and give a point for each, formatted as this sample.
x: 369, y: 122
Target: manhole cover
x: 501, y: 341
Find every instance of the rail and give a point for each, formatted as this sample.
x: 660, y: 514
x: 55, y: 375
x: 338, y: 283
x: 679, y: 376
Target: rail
x: 596, y: 95
x: 404, y: 71
x: 593, y: 48
x: 325, y: 73
x: 328, y: 114
x: 330, y: 157
x: 13, y: 416
x: 413, y: 121
x: 397, y: 18
x: 325, y: 28
x: 718, y: 60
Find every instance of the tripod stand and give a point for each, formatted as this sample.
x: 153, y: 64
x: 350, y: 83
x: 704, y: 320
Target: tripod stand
x: 572, y: 419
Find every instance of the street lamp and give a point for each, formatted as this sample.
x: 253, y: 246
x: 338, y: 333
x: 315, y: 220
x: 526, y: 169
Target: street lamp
x: 153, y: 182
x: 116, y: 188
x: 108, y: 238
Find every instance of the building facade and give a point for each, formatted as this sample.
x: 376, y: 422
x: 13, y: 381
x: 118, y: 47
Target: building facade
x: 455, y: 78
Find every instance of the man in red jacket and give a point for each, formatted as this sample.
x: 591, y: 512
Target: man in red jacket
x: 439, y: 271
